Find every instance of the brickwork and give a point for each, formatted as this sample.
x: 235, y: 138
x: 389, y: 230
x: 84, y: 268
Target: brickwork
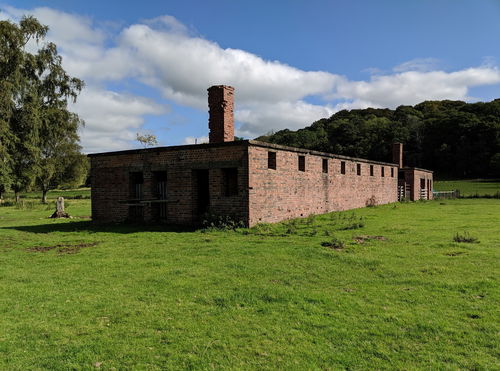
x: 269, y: 183
x: 221, y: 116
x: 397, y: 154
x: 111, y: 195
x: 251, y: 181
x: 420, y: 182
x: 287, y: 192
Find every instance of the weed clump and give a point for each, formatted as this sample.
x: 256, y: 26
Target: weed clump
x: 465, y: 238
x: 334, y: 243
x: 291, y: 227
x: 343, y: 221
x: 213, y: 221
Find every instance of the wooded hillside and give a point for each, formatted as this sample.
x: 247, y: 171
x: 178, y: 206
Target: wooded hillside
x: 453, y: 138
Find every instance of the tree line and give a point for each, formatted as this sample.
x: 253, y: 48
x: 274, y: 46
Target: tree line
x: 39, y: 143
x: 453, y: 138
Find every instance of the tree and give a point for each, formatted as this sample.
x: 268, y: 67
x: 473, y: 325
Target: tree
x: 453, y: 138
x: 147, y: 140
x: 66, y: 166
x: 34, y: 93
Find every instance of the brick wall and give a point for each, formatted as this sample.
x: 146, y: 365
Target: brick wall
x: 221, y: 116
x: 288, y: 192
x: 263, y: 194
x: 419, y: 180
x: 111, y: 192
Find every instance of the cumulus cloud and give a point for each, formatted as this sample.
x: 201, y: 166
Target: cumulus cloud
x: 413, y: 87
x: 265, y: 117
x: 111, y: 119
x: 164, y: 54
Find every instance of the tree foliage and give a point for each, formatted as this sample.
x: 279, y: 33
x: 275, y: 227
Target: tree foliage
x: 146, y: 140
x: 37, y: 132
x: 453, y: 138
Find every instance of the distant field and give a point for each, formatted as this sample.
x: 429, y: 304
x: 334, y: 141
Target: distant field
x: 466, y: 187
x: 54, y: 194
x: 469, y: 187
x: 376, y: 288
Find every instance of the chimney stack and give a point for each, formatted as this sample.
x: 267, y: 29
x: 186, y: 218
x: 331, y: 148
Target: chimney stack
x: 397, y: 154
x: 221, y: 117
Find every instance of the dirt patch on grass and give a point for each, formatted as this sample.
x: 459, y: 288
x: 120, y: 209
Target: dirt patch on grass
x: 363, y: 239
x: 41, y: 248
x: 63, y: 248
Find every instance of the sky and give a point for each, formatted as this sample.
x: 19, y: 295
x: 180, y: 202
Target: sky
x: 147, y: 65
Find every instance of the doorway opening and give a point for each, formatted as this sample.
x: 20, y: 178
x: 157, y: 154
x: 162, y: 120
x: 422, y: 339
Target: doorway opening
x: 201, y: 192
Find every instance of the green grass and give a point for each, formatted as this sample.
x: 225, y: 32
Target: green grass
x: 473, y: 187
x: 74, y: 295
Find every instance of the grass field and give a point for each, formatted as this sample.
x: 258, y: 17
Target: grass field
x: 478, y: 187
x: 376, y: 288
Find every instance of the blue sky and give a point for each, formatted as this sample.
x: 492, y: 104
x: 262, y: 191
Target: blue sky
x: 147, y: 65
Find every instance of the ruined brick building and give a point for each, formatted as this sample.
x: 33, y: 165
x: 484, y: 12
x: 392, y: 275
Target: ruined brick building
x: 249, y: 180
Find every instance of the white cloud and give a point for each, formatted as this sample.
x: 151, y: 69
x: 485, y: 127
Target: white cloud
x: 413, y: 87
x: 111, y: 119
x: 183, y: 67
x: 66, y: 30
x: 264, y: 117
x: 165, y: 55
x: 418, y: 64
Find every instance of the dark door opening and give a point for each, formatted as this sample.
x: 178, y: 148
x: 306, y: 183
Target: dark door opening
x: 201, y: 191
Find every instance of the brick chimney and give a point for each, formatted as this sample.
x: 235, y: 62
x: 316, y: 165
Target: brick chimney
x: 397, y: 154
x: 221, y: 117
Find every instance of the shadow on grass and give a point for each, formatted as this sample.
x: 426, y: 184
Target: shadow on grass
x: 88, y: 226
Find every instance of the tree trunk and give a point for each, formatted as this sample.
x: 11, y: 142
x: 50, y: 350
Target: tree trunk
x: 44, y: 196
x: 18, y: 197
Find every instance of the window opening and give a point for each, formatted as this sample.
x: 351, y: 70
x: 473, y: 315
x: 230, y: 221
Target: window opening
x: 382, y: 171
x: 358, y: 169
x: 230, y: 182
x: 342, y: 167
x: 325, y: 165
x: 271, y: 160
x: 371, y: 170
x: 136, y: 185
x: 302, y: 163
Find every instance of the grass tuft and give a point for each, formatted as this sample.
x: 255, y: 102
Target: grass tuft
x: 465, y: 238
